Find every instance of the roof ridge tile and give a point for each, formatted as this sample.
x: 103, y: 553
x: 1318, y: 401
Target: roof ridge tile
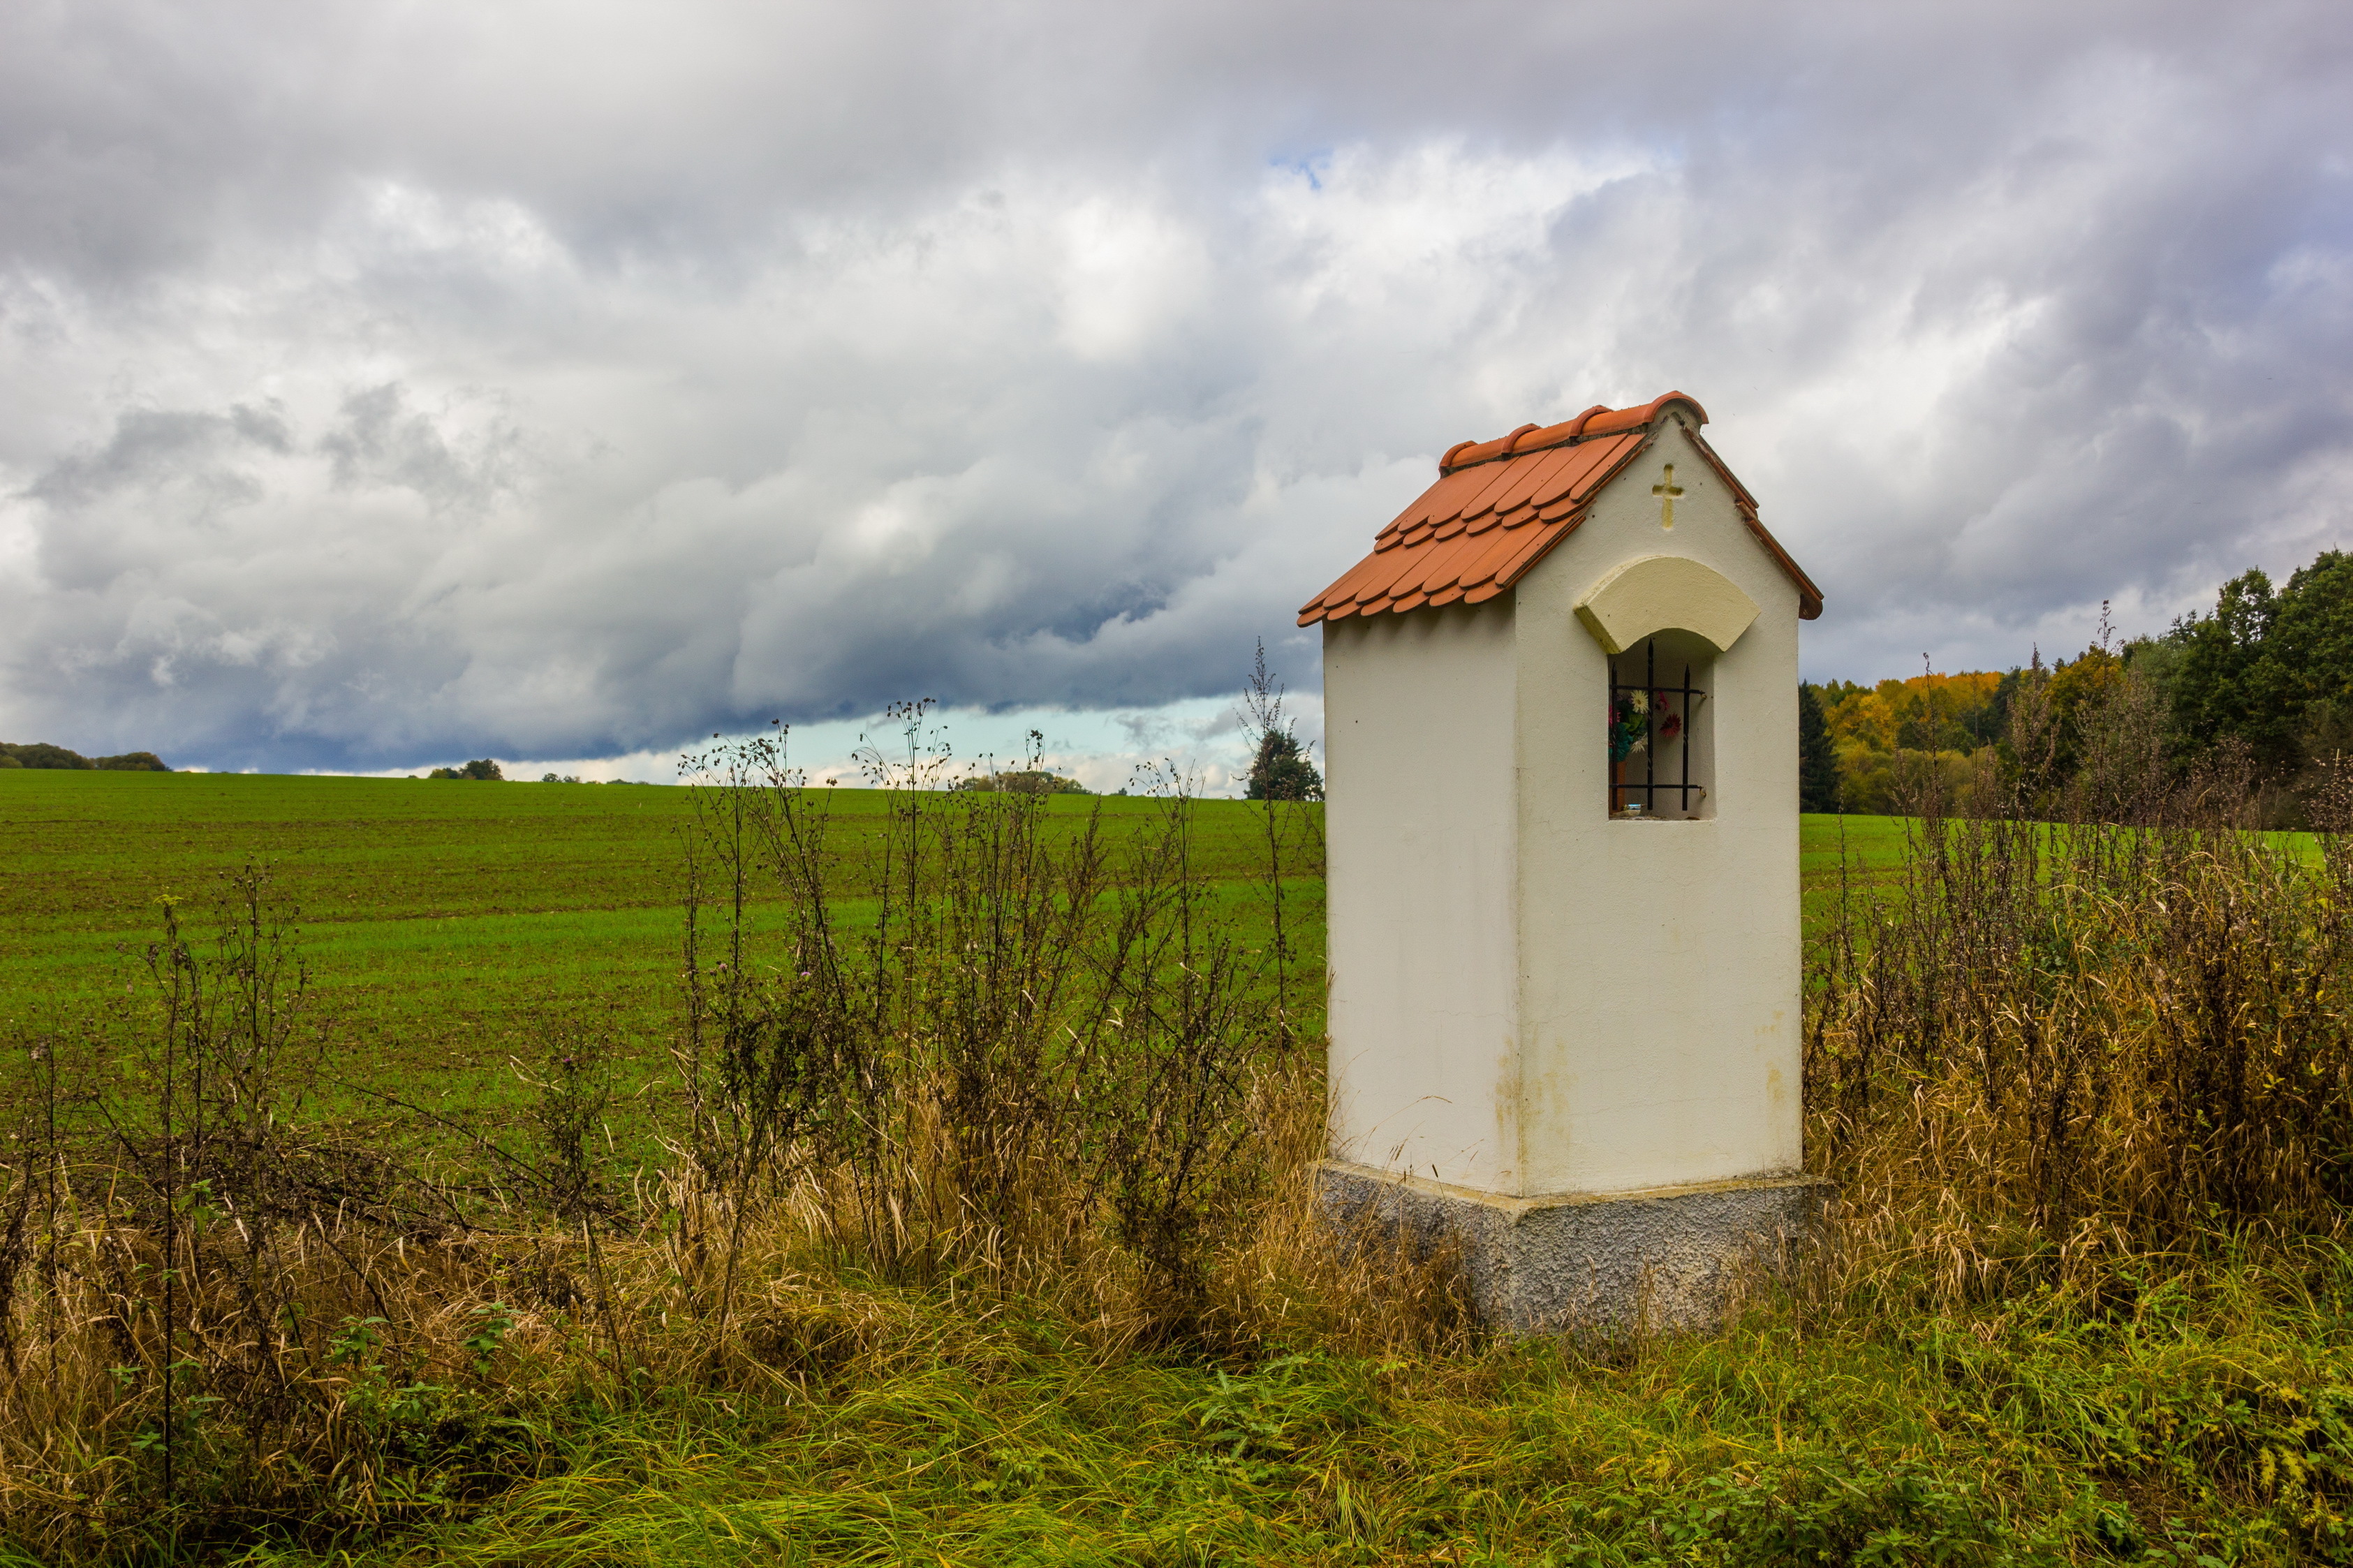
x: 1595, y: 422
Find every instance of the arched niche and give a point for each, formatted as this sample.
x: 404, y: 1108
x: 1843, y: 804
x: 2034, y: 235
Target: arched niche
x: 1661, y: 729
x: 1657, y: 594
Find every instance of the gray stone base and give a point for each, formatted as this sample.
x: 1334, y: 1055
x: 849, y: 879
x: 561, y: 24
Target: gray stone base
x: 1665, y: 1257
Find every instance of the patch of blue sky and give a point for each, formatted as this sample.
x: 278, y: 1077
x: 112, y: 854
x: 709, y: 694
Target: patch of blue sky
x: 1202, y: 739
x: 1309, y: 166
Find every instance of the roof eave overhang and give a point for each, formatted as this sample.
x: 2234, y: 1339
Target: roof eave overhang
x: 1810, y: 598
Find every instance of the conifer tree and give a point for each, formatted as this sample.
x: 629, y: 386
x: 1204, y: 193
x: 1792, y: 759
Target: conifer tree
x: 1818, y: 774
x: 1280, y: 769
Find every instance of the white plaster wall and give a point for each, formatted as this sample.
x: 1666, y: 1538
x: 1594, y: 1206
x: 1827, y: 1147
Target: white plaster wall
x: 1421, y: 829
x: 1658, y: 981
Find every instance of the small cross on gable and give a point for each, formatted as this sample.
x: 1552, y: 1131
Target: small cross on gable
x: 1666, y: 490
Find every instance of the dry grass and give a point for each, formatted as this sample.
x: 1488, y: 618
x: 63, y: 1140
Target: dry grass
x: 2062, y: 1051
x: 1026, y: 1067
x: 315, y: 1358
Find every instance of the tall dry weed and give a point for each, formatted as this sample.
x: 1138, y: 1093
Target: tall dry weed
x: 993, y: 1051
x: 2088, y: 1024
x: 1018, y: 1039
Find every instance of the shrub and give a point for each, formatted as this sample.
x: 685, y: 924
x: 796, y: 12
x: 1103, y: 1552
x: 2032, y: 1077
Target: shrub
x: 1021, y: 780
x: 1876, y: 783
x: 483, y: 768
x: 41, y: 754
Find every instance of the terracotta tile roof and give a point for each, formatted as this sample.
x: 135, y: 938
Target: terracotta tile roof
x: 1500, y: 506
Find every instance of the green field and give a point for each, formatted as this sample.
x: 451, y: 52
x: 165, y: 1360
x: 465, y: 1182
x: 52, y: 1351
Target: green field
x: 443, y: 921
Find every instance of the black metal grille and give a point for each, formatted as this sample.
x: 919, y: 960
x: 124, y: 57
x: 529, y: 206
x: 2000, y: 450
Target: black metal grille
x: 1650, y: 788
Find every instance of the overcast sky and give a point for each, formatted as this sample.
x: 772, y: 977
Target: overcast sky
x: 383, y: 385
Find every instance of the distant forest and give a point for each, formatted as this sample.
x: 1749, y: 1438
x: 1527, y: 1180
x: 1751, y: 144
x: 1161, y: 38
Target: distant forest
x: 2266, y: 679
x: 41, y: 754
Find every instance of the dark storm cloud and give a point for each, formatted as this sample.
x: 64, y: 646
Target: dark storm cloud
x: 149, y: 446
x: 557, y: 381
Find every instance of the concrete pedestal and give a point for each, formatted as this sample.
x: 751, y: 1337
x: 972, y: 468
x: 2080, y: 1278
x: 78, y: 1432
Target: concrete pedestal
x: 1665, y: 1257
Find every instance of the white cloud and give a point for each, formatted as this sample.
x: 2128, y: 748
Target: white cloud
x: 379, y: 388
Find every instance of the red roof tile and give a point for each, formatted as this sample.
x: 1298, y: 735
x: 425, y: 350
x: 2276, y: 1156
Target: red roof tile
x: 1500, y: 506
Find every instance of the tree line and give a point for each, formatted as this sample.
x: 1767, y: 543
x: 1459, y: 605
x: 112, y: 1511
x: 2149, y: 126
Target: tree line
x: 41, y: 754
x: 2265, y: 677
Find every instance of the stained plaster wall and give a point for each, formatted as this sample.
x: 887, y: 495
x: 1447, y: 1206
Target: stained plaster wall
x: 1527, y: 997
x: 1659, y: 980
x: 1421, y: 829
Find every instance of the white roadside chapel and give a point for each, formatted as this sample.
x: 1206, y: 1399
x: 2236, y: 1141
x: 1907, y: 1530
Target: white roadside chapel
x: 1560, y: 718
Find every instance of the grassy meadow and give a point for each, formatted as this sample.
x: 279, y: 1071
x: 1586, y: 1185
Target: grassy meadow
x: 442, y: 923
x: 432, y: 912
x: 946, y: 1260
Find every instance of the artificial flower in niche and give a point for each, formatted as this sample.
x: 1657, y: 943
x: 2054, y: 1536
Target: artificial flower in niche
x: 1630, y: 724
x: 1670, y: 723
